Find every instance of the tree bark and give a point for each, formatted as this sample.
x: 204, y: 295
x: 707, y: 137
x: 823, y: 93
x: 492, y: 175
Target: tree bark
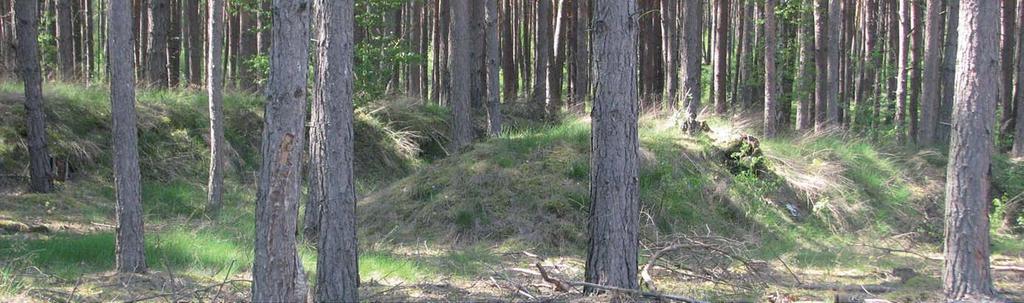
x: 510, y: 75
x: 65, y: 41
x: 721, y: 55
x: 614, y: 210
x: 581, y: 56
x: 966, y: 275
x: 670, y: 50
x: 771, y: 114
x: 247, y: 46
x: 1018, y: 137
x: 692, y: 59
x: 214, y: 85
x: 871, y: 60
x: 461, y: 67
x: 805, y: 74
x: 277, y: 271
x: 822, y: 91
x: 174, y: 44
x: 557, y: 66
x: 543, y: 52
x: 130, y: 255
x: 902, y: 69
x: 832, y: 51
x: 195, y: 36
x: 949, y: 69
x: 156, y: 51
x: 332, y: 154
x: 930, y: 88
x: 26, y: 12
x: 916, y: 51
x: 1009, y: 42
x: 493, y: 55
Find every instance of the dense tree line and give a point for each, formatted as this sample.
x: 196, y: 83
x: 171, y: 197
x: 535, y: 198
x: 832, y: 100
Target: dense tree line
x: 929, y: 72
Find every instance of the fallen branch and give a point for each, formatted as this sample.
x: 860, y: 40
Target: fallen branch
x: 645, y: 272
x: 868, y: 289
x: 559, y: 284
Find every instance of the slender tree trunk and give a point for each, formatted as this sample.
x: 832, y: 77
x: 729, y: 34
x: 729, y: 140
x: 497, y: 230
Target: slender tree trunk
x: 741, y: 92
x: 832, y: 52
x: 1012, y: 211
x: 821, y: 79
x: 26, y: 12
x: 670, y: 50
x: 174, y: 44
x: 721, y: 55
x: 130, y: 255
x: 557, y: 66
x: 277, y: 270
x: 771, y: 117
x: 156, y: 53
x: 247, y: 45
x: 65, y: 40
x: 581, y: 56
x: 932, y: 63
x: 90, y: 50
x: 1009, y: 42
x: 214, y: 83
x: 493, y: 54
x: 614, y: 192
x: 461, y: 67
x: 916, y: 51
x: 902, y: 70
x: 542, y: 52
x: 692, y: 59
x: 195, y: 38
x: 949, y: 69
x: 966, y: 275
x: 510, y: 75
x: 332, y: 154
x: 805, y: 74
x: 869, y: 63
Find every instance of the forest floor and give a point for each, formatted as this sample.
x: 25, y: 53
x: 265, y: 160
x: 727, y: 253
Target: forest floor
x: 827, y: 218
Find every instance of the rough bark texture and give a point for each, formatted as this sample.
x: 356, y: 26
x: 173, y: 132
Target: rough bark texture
x: 949, y: 69
x: 869, y: 63
x: 614, y: 208
x: 821, y: 44
x: 460, y: 69
x: 156, y: 51
x: 1012, y: 212
x: 771, y: 114
x: 195, y: 38
x: 1009, y: 42
x: 670, y: 50
x: 332, y: 154
x: 916, y: 52
x: 930, y: 89
x: 902, y: 67
x: 127, y: 188
x: 832, y: 50
x: 277, y: 272
x: 581, y: 56
x: 805, y: 75
x: 214, y: 84
x: 26, y: 11
x: 693, y: 29
x: 174, y: 44
x: 721, y: 55
x: 493, y: 56
x: 542, y: 52
x: 65, y: 41
x: 966, y: 275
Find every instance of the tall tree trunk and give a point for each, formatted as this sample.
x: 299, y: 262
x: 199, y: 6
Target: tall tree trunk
x: 771, y: 117
x: 440, y: 89
x: 156, y: 52
x: 614, y: 192
x: 692, y: 59
x: 247, y: 46
x: 493, y: 52
x: 821, y: 79
x: 1009, y: 41
x: 1012, y: 211
x: 557, y: 66
x: 510, y: 75
x: 949, y: 69
x: 542, y: 52
x: 871, y: 60
x: 214, y: 84
x: 721, y: 55
x: 195, y: 41
x: 916, y: 51
x: 805, y: 74
x: 902, y: 70
x: 90, y: 50
x: 966, y: 275
x: 581, y: 56
x: 833, y: 49
x: 174, y: 44
x: 741, y: 91
x: 930, y: 90
x: 277, y: 270
x: 65, y: 40
x: 26, y: 11
x: 670, y: 50
x: 130, y: 255
x: 332, y: 154
x: 461, y: 67
x: 478, y: 78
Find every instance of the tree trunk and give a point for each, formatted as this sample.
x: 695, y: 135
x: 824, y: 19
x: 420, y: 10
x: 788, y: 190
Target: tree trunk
x: 932, y: 63
x: 1009, y: 42
x: 615, y: 207
x: 493, y: 68
x: 557, y: 66
x: 461, y: 67
x: 26, y: 12
x: 832, y: 50
x: 916, y: 51
x: 721, y: 55
x: 1012, y: 212
x: 174, y: 44
x: 247, y: 46
x: 510, y: 75
x: 949, y: 69
x: 580, y: 65
x: 821, y: 79
x: 771, y: 117
x: 966, y: 275
x: 130, y: 255
x: 65, y: 40
x: 542, y: 52
x: 902, y: 69
x: 869, y: 63
x: 156, y: 52
x: 195, y: 38
x: 214, y: 84
x: 331, y: 154
x: 692, y: 59
x: 805, y: 81
x: 277, y: 271
x: 670, y: 50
